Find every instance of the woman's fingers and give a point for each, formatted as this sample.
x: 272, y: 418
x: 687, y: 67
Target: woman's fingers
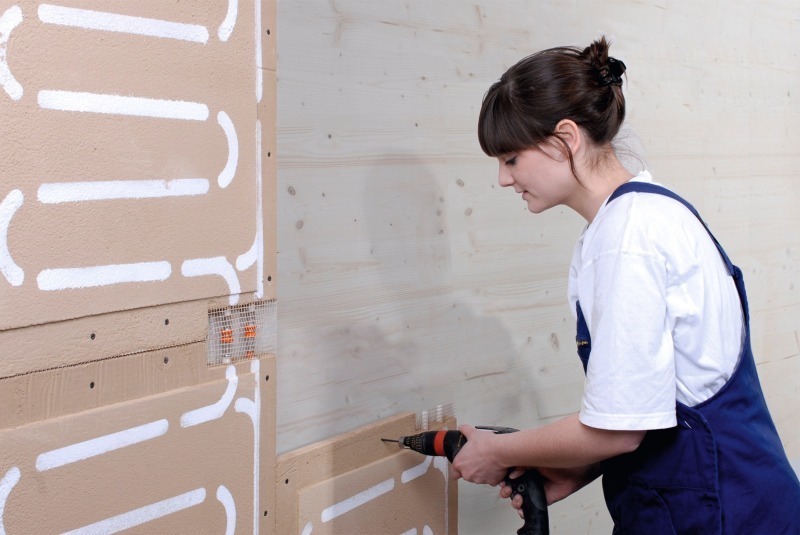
x: 516, y: 472
x: 505, y: 491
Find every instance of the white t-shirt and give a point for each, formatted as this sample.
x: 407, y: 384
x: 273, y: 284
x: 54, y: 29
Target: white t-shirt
x: 663, y: 313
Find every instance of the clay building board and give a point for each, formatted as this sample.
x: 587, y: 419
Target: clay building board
x: 355, y: 483
x: 194, y: 459
x: 137, y: 266
x: 137, y: 168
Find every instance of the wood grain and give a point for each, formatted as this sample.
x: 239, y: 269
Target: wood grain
x: 409, y: 278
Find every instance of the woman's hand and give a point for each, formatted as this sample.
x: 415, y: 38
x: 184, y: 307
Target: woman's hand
x: 476, y: 462
x: 558, y: 483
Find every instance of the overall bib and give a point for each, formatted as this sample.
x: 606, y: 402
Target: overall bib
x: 722, y: 469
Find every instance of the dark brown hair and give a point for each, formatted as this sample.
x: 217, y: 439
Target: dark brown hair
x: 521, y: 110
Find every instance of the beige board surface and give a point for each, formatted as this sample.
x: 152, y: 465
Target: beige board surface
x: 137, y: 172
x: 266, y: 158
x: 355, y: 483
x: 197, y: 459
x: 65, y: 343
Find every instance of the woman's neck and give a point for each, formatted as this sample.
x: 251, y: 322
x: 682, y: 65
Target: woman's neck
x: 597, y: 184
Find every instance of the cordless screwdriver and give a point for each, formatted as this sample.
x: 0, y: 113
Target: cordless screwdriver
x: 529, y: 485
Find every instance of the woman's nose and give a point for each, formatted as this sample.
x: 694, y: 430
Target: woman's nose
x: 504, y: 177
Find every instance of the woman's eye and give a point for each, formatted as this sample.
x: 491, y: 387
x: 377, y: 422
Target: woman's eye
x: 511, y: 161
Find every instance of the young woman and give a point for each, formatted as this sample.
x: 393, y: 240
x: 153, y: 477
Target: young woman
x: 672, y: 415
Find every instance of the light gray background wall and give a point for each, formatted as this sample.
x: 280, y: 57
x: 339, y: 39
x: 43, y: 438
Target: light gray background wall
x: 408, y: 278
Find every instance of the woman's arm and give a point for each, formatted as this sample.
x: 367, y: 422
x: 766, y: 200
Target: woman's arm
x: 566, y: 443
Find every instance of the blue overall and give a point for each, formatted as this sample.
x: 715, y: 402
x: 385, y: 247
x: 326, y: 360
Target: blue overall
x: 722, y: 469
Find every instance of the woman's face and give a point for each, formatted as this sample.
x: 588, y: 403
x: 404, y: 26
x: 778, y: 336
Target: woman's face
x: 541, y: 175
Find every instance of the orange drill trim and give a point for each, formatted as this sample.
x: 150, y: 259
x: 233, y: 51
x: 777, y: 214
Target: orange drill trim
x: 438, y: 443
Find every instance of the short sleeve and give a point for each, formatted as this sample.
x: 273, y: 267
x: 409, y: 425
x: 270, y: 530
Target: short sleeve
x: 630, y: 380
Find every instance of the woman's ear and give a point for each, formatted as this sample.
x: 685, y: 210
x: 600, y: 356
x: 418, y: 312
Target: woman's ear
x: 570, y: 134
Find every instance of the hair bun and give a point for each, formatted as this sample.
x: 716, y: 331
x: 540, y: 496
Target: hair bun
x: 597, y: 53
x: 609, y: 70
x: 612, y: 74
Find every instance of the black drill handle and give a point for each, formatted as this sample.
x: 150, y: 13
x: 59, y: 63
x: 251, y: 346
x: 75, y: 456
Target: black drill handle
x: 529, y: 485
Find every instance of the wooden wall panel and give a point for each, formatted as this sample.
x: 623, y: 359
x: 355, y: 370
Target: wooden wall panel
x: 409, y: 278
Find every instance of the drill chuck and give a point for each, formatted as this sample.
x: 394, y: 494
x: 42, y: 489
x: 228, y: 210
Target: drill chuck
x: 438, y: 443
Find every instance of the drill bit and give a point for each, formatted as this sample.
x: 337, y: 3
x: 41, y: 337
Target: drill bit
x: 399, y: 441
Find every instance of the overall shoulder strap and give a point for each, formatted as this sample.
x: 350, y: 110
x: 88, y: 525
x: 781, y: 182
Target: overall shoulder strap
x: 645, y: 187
